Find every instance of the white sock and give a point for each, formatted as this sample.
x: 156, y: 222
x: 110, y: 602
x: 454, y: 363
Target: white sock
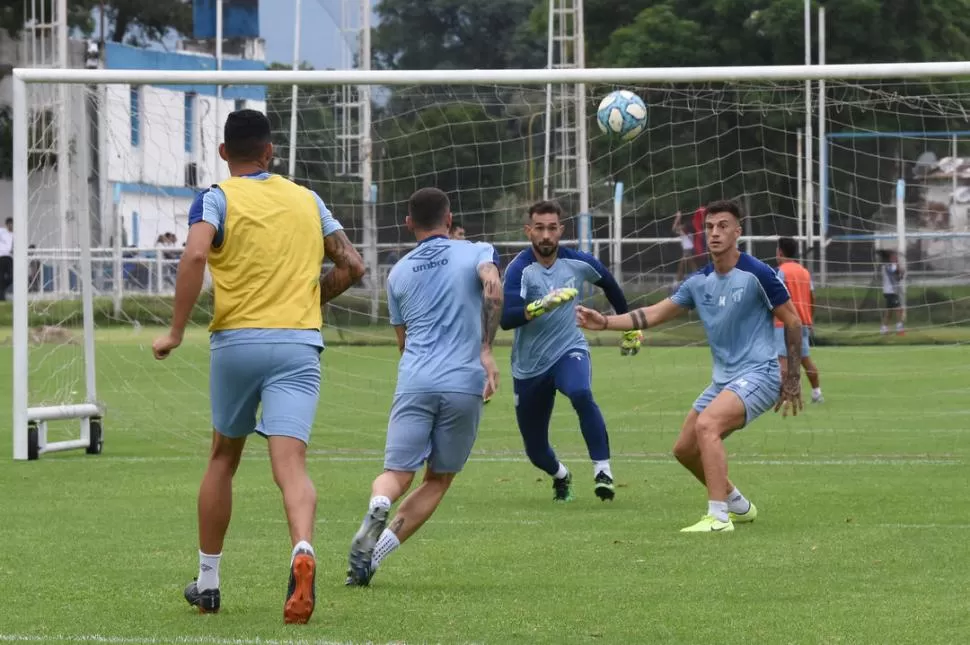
x: 386, y: 543
x: 883, y: 329
x: 561, y: 473
x: 379, y: 501
x: 602, y: 466
x: 737, y: 503
x: 816, y: 392
x: 718, y: 509
x: 304, y: 545
x: 899, y: 325
x: 208, y: 571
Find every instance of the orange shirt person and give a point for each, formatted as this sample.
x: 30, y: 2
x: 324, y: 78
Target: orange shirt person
x: 799, y: 283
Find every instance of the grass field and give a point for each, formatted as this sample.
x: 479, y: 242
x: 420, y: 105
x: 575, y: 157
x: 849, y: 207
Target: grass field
x: 862, y: 534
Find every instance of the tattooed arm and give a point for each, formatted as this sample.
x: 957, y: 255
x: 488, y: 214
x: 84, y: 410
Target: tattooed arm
x: 492, y: 299
x: 791, y: 388
x: 347, y: 270
x: 640, y: 318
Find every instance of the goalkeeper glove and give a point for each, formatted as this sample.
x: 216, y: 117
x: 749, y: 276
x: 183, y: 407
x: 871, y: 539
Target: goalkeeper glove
x: 550, y: 301
x: 630, y: 345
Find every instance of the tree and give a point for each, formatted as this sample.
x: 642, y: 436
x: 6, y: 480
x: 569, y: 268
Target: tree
x: 455, y: 34
x: 132, y: 21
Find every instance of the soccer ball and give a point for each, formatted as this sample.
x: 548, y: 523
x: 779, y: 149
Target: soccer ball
x: 622, y: 114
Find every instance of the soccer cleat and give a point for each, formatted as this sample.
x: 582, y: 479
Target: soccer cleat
x: 208, y: 601
x: 562, y: 489
x: 301, y: 595
x: 360, y: 569
x: 818, y: 399
x: 604, y: 487
x: 744, y: 518
x: 709, y: 524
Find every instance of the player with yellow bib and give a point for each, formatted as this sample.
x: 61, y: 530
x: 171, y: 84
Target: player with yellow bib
x: 264, y: 239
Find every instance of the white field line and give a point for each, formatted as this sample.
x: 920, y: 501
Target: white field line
x: 374, y: 456
x: 100, y: 639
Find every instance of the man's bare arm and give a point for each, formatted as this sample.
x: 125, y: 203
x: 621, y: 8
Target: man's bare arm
x: 644, y: 317
x: 787, y: 314
x: 401, y: 336
x: 191, y: 274
x: 492, y: 300
x: 347, y: 270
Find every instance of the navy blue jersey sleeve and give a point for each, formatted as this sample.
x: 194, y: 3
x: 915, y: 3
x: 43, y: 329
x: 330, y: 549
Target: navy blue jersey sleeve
x: 513, y: 309
x: 195, y: 210
x: 774, y: 290
x: 603, y: 279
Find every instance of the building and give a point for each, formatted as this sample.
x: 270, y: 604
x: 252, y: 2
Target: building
x: 138, y: 153
x: 163, y: 140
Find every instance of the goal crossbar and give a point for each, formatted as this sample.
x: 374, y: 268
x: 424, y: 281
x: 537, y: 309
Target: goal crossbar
x: 539, y: 76
x: 34, y: 419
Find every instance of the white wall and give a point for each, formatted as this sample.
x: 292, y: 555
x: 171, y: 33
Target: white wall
x: 160, y: 157
x: 156, y: 215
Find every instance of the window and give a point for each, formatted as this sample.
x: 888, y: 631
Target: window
x: 240, y: 104
x: 135, y: 106
x: 189, y: 122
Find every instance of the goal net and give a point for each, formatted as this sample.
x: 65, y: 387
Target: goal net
x: 108, y: 171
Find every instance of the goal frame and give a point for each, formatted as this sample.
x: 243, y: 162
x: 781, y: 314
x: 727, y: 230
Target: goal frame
x: 29, y: 423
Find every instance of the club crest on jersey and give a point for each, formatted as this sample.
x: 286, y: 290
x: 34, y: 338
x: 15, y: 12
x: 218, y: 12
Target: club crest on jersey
x: 570, y: 283
x: 737, y: 293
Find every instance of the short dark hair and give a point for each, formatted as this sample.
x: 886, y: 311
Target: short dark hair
x: 544, y: 208
x: 428, y: 208
x: 9, y: 220
x: 246, y: 134
x: 788, y: 247
x: 724, y: 206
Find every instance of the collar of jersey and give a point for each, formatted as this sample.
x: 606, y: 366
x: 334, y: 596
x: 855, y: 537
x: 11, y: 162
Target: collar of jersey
x: 256, y: 175
x: 433, y: 237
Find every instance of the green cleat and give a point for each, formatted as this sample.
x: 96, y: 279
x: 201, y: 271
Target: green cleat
x: 744, y: 518
x: 709, y: 525
x: 562, y: 489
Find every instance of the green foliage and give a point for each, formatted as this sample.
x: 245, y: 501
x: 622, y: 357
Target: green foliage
x: 136, y: 22
x: 455, y: 34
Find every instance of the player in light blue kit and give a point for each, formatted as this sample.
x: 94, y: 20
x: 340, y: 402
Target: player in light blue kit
x: 445, y: 302
x: 736, y: 297
x: 549, y: 353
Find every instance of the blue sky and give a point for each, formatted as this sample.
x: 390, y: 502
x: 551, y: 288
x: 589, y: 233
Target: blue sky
x: 320, y: 40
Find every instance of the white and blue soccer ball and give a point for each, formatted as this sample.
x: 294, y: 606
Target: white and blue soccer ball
x: 622, y: 114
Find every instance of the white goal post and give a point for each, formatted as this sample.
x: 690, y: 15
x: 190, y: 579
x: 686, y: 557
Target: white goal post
x: 29, y: 422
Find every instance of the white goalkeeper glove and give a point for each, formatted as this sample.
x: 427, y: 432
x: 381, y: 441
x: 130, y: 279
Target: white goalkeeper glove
x: 630, y: 345
x: 550, y: 301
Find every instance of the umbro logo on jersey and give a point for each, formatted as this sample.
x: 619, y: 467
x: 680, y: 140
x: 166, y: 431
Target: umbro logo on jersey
x: 429, y: 256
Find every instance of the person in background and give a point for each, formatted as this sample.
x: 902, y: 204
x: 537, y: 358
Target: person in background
x: 456, y: 231
x: 799, y: 283
x: 6, y: 258
x: 687, y: 255
x: 892, y: 277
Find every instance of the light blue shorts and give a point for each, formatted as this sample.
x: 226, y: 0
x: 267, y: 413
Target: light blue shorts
x: 780, y: 341
x: 437, y: 428
x: 758, y: 391
x: 283, y: 377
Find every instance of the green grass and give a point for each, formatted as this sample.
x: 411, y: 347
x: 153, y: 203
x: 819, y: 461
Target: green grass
x: 861, y: 537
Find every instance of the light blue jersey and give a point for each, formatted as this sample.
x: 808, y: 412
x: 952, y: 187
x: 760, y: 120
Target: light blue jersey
x: 539, y: 343
x: 210, y: 206
x: 435, y: 293
x: 736, y: 310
